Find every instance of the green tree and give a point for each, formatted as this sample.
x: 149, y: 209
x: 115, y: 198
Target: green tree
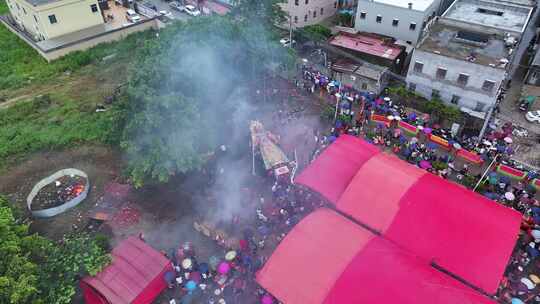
x: 180, y: 95
x: 266, y: 12
x: 316, y: 33
x: 34, y: 269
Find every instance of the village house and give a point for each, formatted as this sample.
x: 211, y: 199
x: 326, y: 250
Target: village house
x: 403, y: 20
x: 465, y: 57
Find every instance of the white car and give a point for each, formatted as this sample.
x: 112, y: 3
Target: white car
x: 166, y: 13
x: 132, y: 16
x: 286, y: 42
x: 533, y: 116
x: 192, y: 10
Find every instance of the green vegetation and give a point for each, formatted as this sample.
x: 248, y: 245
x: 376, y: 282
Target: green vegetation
x: 36, y: 270
x: 435, y: 107
x: 180, y: 93
x: 21, y: 65
x: 316, y: 33
x: 53, y: 121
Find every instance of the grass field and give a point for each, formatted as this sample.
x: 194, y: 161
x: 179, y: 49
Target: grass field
x: 20, y: 65
x: 44, y: 108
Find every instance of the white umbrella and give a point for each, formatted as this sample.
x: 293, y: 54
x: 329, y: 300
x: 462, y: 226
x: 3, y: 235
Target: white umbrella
x: 387, y: 99
x: 509, y: 196
x: 390, y: 117
x: 530, y: 285
x: 508, y: 140
x: 457, y: 146
x: 535, y: 234
x: 487, y: 143
x: 397, y: 118
x: 414, y: 140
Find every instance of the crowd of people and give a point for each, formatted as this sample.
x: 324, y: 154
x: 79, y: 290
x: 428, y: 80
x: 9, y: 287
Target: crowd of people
x: 354, y: 113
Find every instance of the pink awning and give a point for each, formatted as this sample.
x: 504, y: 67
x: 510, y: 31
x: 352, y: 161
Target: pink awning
x: 329, y: 259
x: 459, y: 230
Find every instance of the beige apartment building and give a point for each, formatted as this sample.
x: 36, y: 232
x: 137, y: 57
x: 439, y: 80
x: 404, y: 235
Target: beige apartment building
x: 47, y: 19
x: 309, y: 12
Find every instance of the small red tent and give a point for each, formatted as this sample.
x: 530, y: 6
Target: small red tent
x: 135, y: 276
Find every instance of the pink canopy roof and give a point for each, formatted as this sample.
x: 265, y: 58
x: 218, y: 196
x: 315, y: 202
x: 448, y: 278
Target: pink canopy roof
x: 135, y: 276
x: 329, y: 259
x: 459, y: 230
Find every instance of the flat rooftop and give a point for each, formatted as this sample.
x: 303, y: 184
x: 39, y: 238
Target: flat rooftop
x: 417, y: 5
x: 457, y: 43
x: 367, y: 44
x: 504, y: 16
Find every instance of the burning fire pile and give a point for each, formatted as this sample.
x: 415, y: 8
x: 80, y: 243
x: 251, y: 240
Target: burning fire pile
x: 61, y: 191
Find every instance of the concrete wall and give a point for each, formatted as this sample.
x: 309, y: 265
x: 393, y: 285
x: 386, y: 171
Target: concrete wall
x: 71, y: 16
x: 471, y: 96
x: 313, y: 6
x: 389, y: 13
x: 85, y: 44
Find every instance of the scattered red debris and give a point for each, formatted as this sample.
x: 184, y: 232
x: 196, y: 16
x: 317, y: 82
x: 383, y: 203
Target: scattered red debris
x: 125, y: 217
x: 117, y: 190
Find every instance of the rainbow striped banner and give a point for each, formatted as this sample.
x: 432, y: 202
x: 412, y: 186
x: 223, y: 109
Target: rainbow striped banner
x: 408, y: 128
x: 440, y: 141
x: 470, y: 156
x: 511, y: 172
x: 380, y: 118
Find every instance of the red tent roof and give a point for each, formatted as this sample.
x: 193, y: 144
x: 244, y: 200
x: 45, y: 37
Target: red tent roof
x: 368, y: 44
x: 328, y: 259
x: 459, y: 230
x: 134, y: 276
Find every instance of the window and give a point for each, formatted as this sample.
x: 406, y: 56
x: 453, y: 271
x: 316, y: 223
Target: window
x: 307, y: 1
x: 314, y: 14
x: 441, y: 73
x: 412, y: 87
x: 435, y: 93
x: 18, y: 7
x: 305, y: 18
x: 364, y: 86
x: 52, y: 19
x: 296, y: 2
x: 412, y: 26
x: 295, y: 19
x: 463, y: 79
x: 479, y: 107
x: 335, y: 4
x: 378, y: 19
x: 35, y: 18
x: 489, y: 12
x: 455, y: 99
x: 24, y: 10
x: 93, y: 7
x: 395, y: 22
x: 418, y: 67
x: 322, y: 11
x: 362, y: 15
x: 488, y: 85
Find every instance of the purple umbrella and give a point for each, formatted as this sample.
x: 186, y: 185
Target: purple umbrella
x: 266, y: 299
x: 425, y: 164
x: 224, y: 268
x: 427, y: 130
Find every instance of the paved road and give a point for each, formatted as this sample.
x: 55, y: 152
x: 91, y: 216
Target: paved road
x: 163, y: 5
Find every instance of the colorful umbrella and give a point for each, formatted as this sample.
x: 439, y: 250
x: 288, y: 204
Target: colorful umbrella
x: 224, y: 268
x: 536, y: 183
x: 517, y: 301
x: 530, y: 285
x: 230, y: 255
x: 187, y: 264
x: 509, y: 196
x: 427, y: 130
x: 214, y: 262
x: 191, y: 285
x: 425, y: 164
x: 266, y: 299
x: 508, y: 140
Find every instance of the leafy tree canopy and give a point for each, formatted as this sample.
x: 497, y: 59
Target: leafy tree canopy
x: 34, y: 269
x: 267, y: 12
x: 315, y: 33
x: 184, y: 89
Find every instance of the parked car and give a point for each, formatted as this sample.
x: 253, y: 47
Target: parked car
x: 150, y: 6
x: 132, y: 16
x: 176, y: 6
x: 192, y: 10
x: 286, y: 42
x: 533, y: 116
x: 166, y: 13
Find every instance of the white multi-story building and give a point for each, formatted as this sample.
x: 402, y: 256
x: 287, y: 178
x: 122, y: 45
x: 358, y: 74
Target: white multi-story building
x: 309, y: 12
x: 466, y: 55
x: 403, y: 20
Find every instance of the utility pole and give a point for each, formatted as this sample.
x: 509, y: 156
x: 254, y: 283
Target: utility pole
x: 290, y: 25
